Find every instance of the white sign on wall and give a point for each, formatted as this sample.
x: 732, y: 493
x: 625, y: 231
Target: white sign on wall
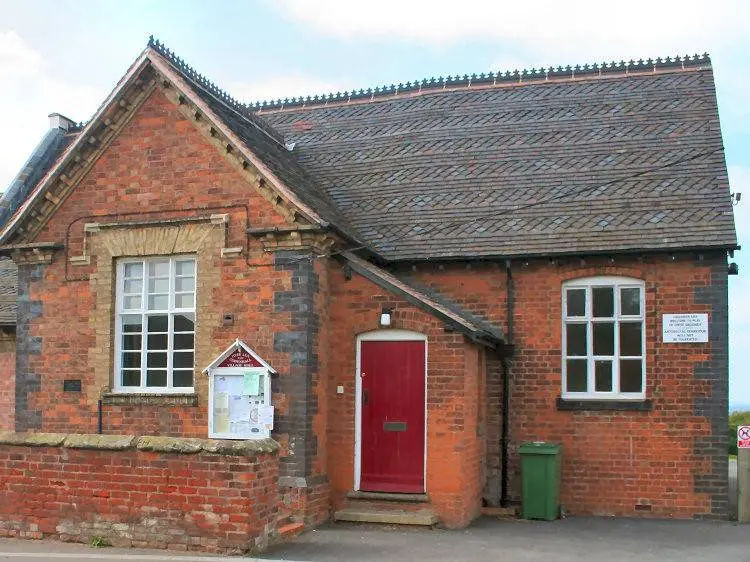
x: 685, y: 328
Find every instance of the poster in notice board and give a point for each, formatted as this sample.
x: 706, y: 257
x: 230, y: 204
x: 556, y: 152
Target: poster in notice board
x: 239, y: 406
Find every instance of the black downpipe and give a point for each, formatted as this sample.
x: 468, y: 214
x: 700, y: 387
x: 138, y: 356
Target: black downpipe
x: 99, y: 426
x: 505, y: 429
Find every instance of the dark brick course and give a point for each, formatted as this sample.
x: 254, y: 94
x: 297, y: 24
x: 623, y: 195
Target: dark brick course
x: 299, y: 343
x: 26, y: 381
x: 715, y: 407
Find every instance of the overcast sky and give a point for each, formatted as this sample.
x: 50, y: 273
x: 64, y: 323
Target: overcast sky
x: 65, y: 56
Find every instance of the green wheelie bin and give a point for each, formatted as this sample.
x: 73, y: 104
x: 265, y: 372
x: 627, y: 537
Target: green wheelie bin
x: 540, y: 480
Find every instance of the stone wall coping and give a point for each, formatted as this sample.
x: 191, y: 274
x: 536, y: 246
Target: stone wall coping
x: 152, y: 443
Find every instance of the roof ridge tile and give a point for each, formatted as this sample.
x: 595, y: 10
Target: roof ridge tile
x: 529, y: 75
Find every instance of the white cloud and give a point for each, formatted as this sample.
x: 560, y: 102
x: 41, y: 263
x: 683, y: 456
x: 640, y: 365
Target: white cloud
x: 281, y: 87
x: 565, y: 31
x: 16, y: 58
x: 33, y: 90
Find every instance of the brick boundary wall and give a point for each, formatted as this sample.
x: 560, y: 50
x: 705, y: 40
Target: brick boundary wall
x: 145, y: 492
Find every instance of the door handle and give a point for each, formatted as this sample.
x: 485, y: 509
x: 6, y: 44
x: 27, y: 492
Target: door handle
x: 365, y: 396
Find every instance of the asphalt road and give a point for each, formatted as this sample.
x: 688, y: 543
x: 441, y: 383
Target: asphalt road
x: 578, y: 539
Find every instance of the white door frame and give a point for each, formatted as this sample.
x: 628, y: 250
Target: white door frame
x: 382, y: 335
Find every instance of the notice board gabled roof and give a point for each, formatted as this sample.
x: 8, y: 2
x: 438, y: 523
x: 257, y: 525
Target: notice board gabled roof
x: 234, y: 346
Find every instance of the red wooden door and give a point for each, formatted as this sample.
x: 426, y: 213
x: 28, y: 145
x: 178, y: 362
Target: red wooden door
x: 393, y: 416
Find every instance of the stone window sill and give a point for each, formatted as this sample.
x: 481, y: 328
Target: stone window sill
x: 604, y: 405
x: 126, y: 399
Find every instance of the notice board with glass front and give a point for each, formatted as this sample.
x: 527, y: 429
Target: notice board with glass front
x: 239, y: 396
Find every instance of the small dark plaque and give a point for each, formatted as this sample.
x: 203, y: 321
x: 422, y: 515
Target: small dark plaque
x: 394, y: 426
x: 72, y: 385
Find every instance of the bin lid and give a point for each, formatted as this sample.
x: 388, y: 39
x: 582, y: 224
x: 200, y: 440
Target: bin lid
x: 540, y: 448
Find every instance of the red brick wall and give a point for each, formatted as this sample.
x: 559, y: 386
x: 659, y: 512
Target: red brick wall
x: 454, y: 449
x: 140, y: 499
x: 160, y: 166
x: 670, y: 458
x: 7, y: 381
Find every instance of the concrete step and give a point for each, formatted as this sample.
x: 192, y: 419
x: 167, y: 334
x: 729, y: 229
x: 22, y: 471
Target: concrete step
x: 364, y: 514
x: 386, y: 496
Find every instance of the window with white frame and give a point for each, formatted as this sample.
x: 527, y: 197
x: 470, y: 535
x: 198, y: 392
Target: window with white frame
x: 155, y: 324
x: 603, y: 338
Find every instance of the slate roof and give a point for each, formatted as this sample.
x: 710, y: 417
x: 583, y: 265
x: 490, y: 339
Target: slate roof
x: 553, y: 166
x: 450, y: 312
x: 8, y: 292
x: 266, y: 143
x: 44, y: 156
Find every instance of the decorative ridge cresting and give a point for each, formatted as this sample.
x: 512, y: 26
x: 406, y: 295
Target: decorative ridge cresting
x: 188, y: 71
x: 532, y: 75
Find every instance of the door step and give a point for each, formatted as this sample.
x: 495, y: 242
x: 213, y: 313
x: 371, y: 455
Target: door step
x: 386, y: 496
x: 365, y: 514
x: 502, y: 512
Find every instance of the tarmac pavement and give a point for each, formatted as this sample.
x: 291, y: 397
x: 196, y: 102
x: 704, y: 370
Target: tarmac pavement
x: 576, y: 539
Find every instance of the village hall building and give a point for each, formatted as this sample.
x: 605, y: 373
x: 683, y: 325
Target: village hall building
x: 379, y: 294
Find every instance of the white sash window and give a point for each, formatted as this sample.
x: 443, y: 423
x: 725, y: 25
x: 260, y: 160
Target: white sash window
x: 604, y: 339
x: 155, y: 325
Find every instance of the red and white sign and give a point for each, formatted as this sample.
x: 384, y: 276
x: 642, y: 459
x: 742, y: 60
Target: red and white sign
x: 240, y: 358
x: 743, y: 437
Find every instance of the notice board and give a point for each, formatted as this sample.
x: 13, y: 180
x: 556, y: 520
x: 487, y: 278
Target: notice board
x: 239, y: 403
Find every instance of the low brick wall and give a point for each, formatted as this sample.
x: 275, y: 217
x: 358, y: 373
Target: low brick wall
x: 156, y: 492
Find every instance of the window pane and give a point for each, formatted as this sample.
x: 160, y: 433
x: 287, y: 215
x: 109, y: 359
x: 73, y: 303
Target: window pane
x: 603, y: 382
x: 575, y: 339
x: 131, y: 360
x: 158, y: 323
x: 157, y: 360
x: 182, y: 378
x: 183, y: 323
x: 186, y: 267
x: 131, y: 341
x: 630, y: 338
x: 158, y: 302
x: 157, y: 341
x: 604, y: 338
x: 183, y: 301
x: 131, y: 303
x: 131, y: 378
x: 630, y: 301
x: 158, y: 268
x: 156, y: 378
x: 604, y: 302
x: 183, y: 341
x: 183, y: 360
x: 631, y: 375
x: 131, y: 323
x: 576, y: 302
x: 158, y: 285
x: 184, y: 284
x: 133, y: 269
x: 576, y: 375
x: 133, y: 286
